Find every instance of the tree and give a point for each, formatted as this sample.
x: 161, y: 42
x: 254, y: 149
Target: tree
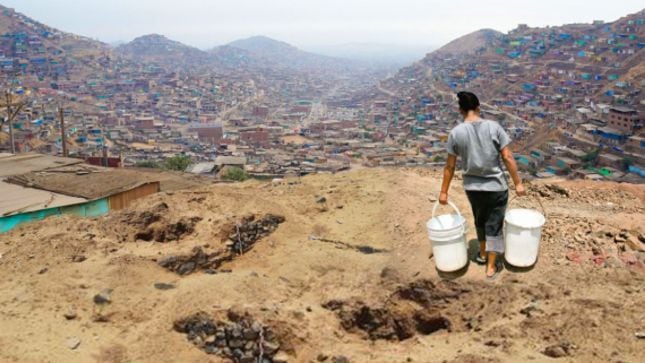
x: 591, y: 157
x: 235, y: 174
x: 177, y: 162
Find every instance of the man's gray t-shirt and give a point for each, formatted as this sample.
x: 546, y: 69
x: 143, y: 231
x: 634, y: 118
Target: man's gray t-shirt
x: 479, y: 144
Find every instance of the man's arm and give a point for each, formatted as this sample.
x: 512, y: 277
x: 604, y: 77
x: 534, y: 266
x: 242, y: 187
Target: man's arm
x: 448, y: 173
x: 511, y: 166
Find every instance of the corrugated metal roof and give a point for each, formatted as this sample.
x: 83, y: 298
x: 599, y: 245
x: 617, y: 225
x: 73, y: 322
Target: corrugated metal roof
x: 201, y: 168
x: 83, y: 181
x: 18, y: 199
x: 25, y: 163
x: 230, y: 160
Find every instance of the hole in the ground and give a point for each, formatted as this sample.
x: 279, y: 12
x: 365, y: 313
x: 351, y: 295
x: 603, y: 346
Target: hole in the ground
x: 241, y: 239
x: 416, y: 308
x: 155, y: 224
x: 240, y: 338
x: 395, y: 321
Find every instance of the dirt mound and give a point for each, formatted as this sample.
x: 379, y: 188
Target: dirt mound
x: 585, y: 241
x: 549, y: 191
x: 241, y: 338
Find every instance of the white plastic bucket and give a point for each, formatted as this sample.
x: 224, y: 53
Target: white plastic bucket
x: 523, y: 230
x: 447, y: 233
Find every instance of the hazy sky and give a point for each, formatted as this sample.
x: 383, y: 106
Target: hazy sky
x: 311, y: 23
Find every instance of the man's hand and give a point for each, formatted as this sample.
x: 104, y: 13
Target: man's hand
x: 519, y: 189
x: 443, y: 198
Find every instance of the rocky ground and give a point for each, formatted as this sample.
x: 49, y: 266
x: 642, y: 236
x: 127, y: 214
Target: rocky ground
x: 327, y: 268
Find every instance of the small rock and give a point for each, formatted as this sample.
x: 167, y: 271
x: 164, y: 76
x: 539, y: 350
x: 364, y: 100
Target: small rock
x: 236, y: 343
x: 270, y: 347
x: 529, y: 309
x: 78, y: 258
x: 340, y: 359
x: 281, y: 357
x: 43, y: 270
x: 322, y: 357
x: 163, y: 286
x: 186, y: 268
x: 321, y: 200
x: 249, y: 334
x: 555, y: 351
x: 70, y: 315
x: 640, y: 334
x: 634, y: 244
x: 73, y: 343
x: 104, y: 297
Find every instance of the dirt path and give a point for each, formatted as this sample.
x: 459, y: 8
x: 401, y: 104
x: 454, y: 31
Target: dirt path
x: 349, y: 262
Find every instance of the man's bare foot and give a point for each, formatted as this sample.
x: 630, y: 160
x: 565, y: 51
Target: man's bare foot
x: 491, y: 267
x: 490, y: 271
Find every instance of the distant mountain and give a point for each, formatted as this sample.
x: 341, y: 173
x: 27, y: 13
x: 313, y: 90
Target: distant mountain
x: 233, y: 57
x: 157, y: 48
x: 288, y: 56
x: 262, y: 45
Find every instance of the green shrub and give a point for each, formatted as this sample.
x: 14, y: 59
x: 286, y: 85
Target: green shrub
x: 177, y: 162
x: 235, y: 174
x: 148, y: 164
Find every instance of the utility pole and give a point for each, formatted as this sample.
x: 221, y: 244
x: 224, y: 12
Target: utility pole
x: 63, y: 135
x: 10, y: 120
x: 13, y: 109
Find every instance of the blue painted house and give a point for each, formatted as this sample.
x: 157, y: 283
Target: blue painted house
x: 29, y: 193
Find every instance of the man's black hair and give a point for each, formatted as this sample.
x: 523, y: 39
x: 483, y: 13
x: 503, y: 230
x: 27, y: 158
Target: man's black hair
x: 467, y: 101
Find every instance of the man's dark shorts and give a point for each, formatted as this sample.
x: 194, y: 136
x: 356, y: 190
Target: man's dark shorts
x: 489, y: 209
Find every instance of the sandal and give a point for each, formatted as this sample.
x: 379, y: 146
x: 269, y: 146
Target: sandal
x: 480, y: 260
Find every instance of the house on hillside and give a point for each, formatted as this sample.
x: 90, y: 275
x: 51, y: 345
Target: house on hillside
x: 624, y: 119
x: 36, y: 186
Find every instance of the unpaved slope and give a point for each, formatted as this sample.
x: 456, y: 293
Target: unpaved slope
x: 349, y: 264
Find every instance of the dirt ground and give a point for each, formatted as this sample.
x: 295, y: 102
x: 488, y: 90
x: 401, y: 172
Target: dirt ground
x: 347, y: 275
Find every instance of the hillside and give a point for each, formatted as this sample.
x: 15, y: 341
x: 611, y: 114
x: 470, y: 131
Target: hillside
x: 610, y: 50
x: 470, y: 43
x: 332, y: 268
x: 159, y: 49
x: 30, y: 45
x: 534, y: 79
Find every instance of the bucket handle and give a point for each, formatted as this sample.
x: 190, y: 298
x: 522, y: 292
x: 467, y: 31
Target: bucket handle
x: 436, y: 205
x: 534, y: 197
